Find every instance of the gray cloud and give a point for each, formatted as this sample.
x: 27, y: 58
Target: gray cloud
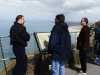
x: 49, y: 8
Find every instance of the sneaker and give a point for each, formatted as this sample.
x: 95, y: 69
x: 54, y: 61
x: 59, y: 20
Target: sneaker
x: 80, y: 73
x: 84, y: 73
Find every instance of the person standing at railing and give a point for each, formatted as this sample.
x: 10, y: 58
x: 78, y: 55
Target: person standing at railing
x: 83, y: 45
x: 19, y: 37
x: 59, y: 46
x: 97, y: 40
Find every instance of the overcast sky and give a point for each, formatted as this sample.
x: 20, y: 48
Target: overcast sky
x: 47, y: 9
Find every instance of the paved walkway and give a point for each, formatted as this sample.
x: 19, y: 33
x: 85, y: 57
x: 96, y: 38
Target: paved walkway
x: 92, y: 70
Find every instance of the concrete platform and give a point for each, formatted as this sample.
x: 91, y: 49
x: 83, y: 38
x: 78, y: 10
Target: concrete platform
x: 91, y: 70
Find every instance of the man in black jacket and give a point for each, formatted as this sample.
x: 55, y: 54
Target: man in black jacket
x: 19, y: 38
x: 59, y: 45
x: 83, y: 45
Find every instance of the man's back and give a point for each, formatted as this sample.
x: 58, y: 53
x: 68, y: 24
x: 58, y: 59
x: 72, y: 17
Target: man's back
x: 60, y: 41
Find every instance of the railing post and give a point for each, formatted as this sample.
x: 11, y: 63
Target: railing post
x: 3, y: 56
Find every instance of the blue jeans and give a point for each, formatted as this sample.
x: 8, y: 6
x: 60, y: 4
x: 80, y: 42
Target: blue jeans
x: 57, y: 67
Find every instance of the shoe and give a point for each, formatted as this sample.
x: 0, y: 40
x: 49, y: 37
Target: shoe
x: 80, y: 73
x: 84, y: 73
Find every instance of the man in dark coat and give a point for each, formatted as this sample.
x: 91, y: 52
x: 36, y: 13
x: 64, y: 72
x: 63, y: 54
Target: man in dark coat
x: 59, y: 45
x: 83, y: 44
x: 97, y: 40
x: 19, y: 38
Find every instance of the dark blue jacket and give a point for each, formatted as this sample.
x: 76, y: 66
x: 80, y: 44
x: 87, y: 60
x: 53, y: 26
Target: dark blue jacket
x: 18, y: 36
x: 60, y: 42
x: 97, y: 34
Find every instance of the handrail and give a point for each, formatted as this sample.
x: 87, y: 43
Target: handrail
x: 4, y: 36
x: 3, y: 56
x: 33, y: 34
x: 4, y: 59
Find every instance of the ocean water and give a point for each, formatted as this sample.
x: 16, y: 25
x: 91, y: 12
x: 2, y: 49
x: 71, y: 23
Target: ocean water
x: 36, y: 26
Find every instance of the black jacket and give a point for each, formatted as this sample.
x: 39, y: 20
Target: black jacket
x: 60, y: 41
x: 18, y: 35
x: 83, y: 39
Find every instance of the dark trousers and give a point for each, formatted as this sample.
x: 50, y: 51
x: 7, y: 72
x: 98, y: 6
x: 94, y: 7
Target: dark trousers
x: 21, y: 61
x: 83, y: 60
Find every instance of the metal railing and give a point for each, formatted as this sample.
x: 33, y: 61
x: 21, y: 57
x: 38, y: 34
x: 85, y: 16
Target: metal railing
x: 4, y: 59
